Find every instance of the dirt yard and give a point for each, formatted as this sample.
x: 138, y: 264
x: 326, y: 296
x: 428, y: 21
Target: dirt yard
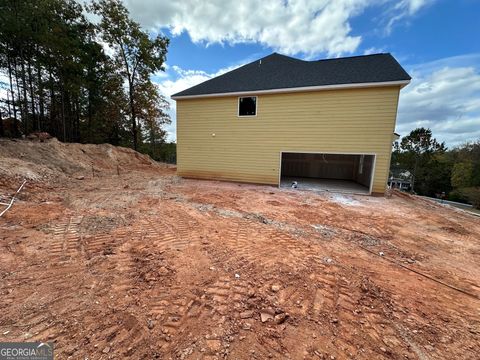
x: 112, y: 256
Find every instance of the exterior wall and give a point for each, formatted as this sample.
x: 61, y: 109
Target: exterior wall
x: 248, y: 149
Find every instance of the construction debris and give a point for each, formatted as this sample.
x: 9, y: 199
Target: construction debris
x: 10, y: 203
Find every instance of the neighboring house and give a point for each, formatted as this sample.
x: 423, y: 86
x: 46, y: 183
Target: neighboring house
x: 399, y: 178
x: 326, y: 123
x: 399, y: 183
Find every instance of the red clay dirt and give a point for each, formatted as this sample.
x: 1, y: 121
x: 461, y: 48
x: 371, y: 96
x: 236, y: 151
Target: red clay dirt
x: 131, y: 261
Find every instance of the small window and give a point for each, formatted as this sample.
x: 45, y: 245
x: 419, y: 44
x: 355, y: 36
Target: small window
x: 247, y: 106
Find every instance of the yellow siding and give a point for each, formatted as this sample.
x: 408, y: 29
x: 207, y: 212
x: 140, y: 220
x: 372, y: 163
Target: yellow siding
x: 248, y: 148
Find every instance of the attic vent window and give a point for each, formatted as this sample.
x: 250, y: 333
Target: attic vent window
x: 247, y: 106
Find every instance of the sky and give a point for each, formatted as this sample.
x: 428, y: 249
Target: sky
x: 436, y: 41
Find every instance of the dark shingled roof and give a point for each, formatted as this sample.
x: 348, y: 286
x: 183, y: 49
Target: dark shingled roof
x: 277, y: 71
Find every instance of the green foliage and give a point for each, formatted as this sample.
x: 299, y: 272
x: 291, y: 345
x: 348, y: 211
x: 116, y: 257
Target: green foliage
x: 433, y: 177
x: 420, y: 141
x: 469, y: 153
x: 467, y: 195
x: 136, y: 55
x: 61, y: 80
x: 434, y: 169
x: 473, y: 196
x: 458, y: 196
x: 164, y: 152
x: 422, y: 156
x: 462, y: 175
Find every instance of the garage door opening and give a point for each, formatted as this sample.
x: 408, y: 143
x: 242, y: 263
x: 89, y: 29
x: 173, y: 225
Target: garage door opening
x: 346, y: 173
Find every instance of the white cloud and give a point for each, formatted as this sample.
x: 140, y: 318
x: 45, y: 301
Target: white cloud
x: 373, y: 50
x: 403, y: 9
x: 445, y: 96
x: 290, y: 27
x: 410, y: 7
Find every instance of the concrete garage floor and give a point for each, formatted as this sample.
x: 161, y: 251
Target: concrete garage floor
x: 313, y: 184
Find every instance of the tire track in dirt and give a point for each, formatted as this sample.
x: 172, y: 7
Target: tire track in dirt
x: 268, y: 247
x: 227, y: 295
x: 44, y: 315
x: 49, y: 320
x: 167, y: 237
x: 104, y: 244
x: 174, y: 307
x: 175, y: 311
x: 327, y: 299
x: 45, y: 283
x: 54, y: 296
x: 229, y: 298
x: 65, y: 241
x: 120, y: 331
x: 170, y: 306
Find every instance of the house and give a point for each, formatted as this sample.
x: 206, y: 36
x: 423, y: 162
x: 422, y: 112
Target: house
x: 399, y: 178
x: 326, y: 124
x: 399, y: 183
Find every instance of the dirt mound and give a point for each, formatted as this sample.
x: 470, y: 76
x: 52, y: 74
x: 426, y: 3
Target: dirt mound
x: 53, y: 159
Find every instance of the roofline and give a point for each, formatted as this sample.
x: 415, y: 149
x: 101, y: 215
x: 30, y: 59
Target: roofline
x: 401, y: 83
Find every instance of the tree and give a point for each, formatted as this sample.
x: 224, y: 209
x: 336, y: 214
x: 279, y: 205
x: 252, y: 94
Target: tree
x: 136, y: 55
x: 417, y: 150
x: 59, y: 78
x: 153, y: 115
x: 466, y: 173
x: 462, y: 175
x: 469, y: 153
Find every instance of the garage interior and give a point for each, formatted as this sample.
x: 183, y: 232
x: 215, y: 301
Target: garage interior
x: 344, y: 173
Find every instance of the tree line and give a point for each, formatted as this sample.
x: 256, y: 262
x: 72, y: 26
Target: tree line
x: 434, y: 170
x: 81, y: 73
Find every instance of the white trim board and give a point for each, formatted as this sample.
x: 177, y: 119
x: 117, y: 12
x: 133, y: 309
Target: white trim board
x: 331, y: 153
x: 401, y: 83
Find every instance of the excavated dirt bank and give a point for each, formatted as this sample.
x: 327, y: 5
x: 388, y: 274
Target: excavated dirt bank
x: 130, y: 261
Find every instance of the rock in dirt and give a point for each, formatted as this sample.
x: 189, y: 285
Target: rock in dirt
x: 214, y: 344
x: 280, y: 318
x: 265, y: 317
x: 276, y: 288
x: 267, y: 314
x: 246, y: 314
x: 246, y: 326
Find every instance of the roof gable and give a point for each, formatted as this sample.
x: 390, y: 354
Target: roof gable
x: 277, y: 71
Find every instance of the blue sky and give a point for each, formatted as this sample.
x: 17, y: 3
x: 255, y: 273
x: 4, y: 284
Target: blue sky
x: 436, y: 41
